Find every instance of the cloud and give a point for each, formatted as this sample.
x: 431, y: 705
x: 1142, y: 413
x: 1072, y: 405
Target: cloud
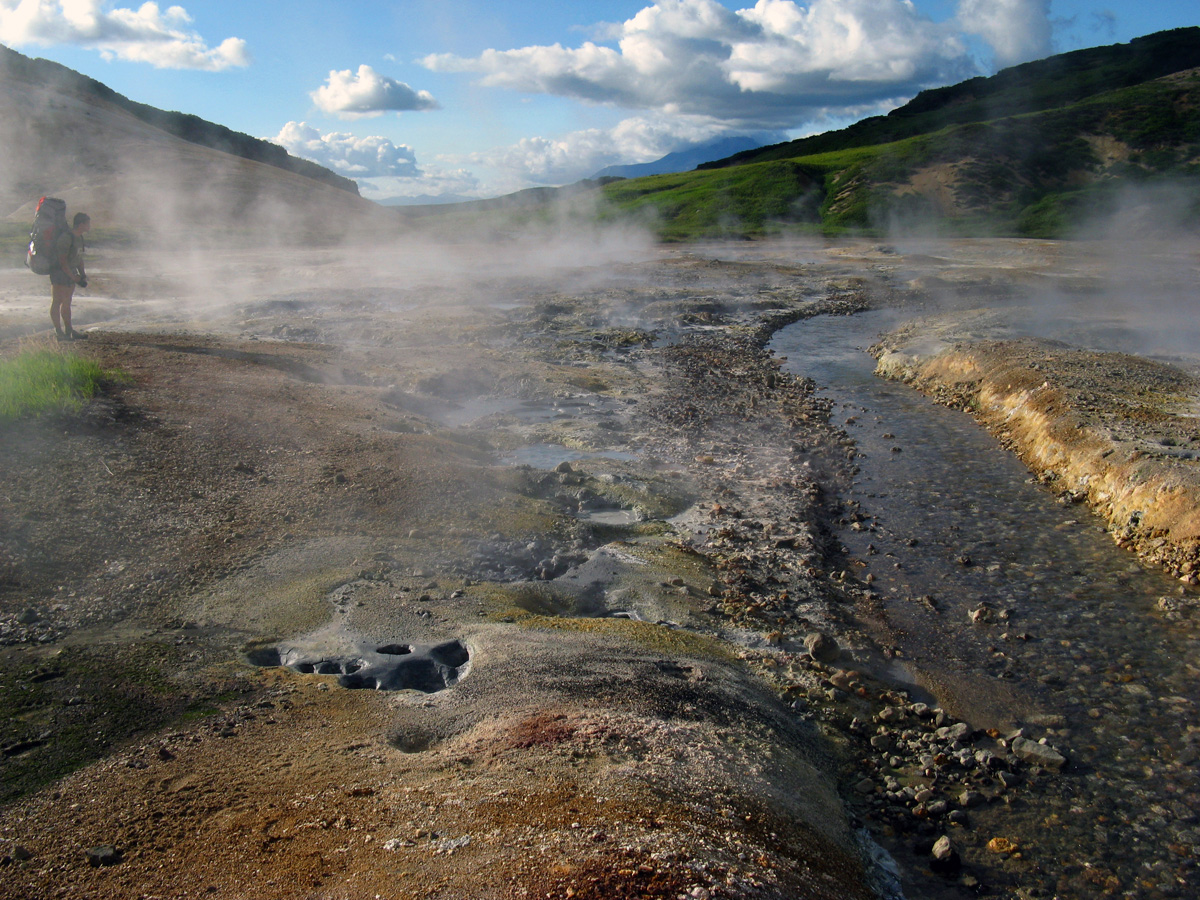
x: 347, y: 154
x: 432, y: 183
x: 579, y: 154
x: 146, y: 34
x: 774, y: 65
x: 382, y: 169
x: 1016, y: 30
x: 353, y: 95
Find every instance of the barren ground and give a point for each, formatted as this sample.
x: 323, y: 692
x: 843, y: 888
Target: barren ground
x: 299, y: 471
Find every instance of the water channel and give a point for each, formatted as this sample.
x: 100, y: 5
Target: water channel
x: 1012, y: 609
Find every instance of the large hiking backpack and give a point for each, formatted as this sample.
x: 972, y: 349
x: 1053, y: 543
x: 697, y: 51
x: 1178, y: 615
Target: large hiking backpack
x: 49, y: 221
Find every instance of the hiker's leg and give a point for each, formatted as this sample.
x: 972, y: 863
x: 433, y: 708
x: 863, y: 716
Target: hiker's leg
x: 56, y: 300
x: 65, y: 307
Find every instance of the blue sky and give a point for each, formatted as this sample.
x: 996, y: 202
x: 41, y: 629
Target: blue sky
x: 473, y: 98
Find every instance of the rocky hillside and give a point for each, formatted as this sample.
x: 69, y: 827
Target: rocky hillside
x: 149, y: 172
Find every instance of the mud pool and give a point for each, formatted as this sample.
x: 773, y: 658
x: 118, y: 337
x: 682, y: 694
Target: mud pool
x: 1015, y: 610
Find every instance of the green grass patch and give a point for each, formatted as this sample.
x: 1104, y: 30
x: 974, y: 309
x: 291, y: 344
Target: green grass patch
x: 746, y: 201
x: 36, y: 382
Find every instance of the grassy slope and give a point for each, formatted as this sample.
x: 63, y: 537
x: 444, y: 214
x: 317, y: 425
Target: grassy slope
x: 1020, y: 172
x: 1046, y: 84
x: 744, y: 201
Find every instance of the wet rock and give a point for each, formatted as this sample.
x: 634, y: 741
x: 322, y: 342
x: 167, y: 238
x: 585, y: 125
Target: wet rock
x: 1038, y: 754
x: 822, y: 647
x: 944, y: 853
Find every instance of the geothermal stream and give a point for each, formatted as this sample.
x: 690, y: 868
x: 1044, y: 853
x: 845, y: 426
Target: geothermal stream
x: 1011, y: 609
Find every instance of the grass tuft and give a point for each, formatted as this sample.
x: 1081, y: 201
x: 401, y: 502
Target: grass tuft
x: 35, y: 382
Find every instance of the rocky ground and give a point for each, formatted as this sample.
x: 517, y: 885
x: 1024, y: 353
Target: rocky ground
x: 577, y: 523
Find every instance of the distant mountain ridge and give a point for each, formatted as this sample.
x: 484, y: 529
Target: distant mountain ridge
x: 683, y: 160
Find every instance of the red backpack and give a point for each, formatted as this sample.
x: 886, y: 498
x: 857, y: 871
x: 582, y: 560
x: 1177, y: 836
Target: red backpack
x: 49, y: 221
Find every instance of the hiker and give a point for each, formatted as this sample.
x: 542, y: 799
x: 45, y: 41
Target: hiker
x: 66, y: 271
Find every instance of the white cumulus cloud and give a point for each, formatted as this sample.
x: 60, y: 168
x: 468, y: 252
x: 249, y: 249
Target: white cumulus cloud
x: 146, y: 34
x: 773, y: 65
x: 347, y: 154
x: 580, y: 154
x: 432, y: 184
x: 367, y: 93
x: 1016, y: 30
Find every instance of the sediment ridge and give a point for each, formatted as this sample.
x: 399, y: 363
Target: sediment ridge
x: 1115, y: 431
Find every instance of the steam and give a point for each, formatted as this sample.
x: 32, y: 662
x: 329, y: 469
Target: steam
x: 1123, y: 282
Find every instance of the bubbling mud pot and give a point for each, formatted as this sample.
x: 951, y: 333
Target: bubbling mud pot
x: 1018, y: 614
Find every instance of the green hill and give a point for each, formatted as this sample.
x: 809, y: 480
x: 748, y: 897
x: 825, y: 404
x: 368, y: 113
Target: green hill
x: 1028, y: 151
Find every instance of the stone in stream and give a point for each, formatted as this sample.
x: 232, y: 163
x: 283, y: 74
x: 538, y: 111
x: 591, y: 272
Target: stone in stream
x: 1038, y: 754
x: 945, y: 858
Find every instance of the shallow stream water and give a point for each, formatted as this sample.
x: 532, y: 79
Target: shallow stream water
x: 1072, y: 641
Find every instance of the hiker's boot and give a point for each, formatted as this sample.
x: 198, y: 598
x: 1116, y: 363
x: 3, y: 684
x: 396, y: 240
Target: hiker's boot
x: 74, y: 335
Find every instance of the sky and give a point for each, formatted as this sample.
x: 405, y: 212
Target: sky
x: 477, y: 98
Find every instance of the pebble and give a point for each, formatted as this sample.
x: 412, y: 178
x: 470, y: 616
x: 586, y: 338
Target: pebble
x: 1001, y: 845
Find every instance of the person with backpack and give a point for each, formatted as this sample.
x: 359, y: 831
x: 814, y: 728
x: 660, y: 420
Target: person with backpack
x: 66, y: 272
